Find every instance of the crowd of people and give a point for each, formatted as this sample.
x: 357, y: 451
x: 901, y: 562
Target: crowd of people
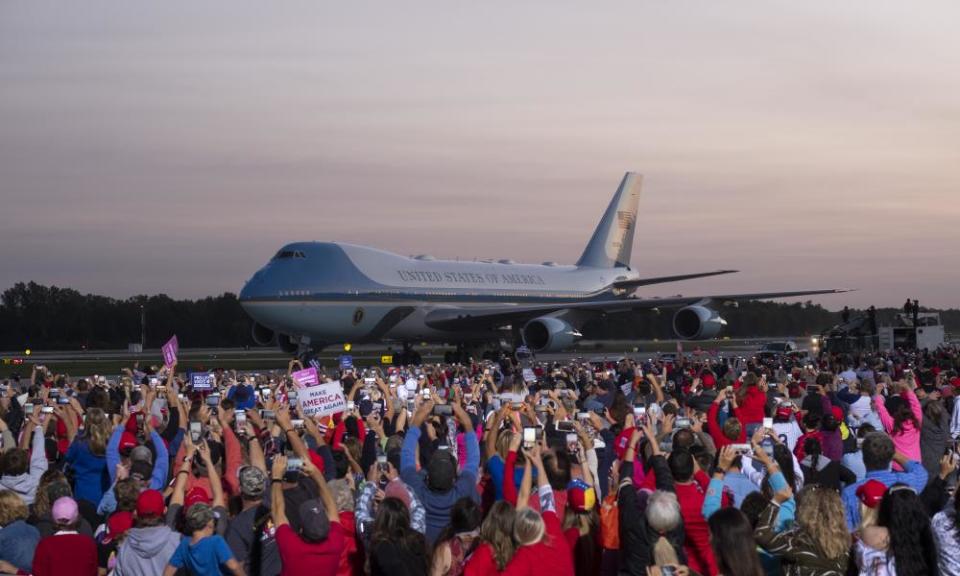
x: 698, y: 464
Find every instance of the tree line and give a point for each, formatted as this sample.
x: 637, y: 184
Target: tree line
x: 52, y: 318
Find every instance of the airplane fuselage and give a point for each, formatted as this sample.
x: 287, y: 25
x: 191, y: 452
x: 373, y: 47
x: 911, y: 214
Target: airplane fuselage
x: 337, y: 292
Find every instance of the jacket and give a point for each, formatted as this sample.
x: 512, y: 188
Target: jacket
x: 799, y: 553
x: 25, y: 485
x: 636, y: 537
x: 146, y: 551
x: 438, y: 504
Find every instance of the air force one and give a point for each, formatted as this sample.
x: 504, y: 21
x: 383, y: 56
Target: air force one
x: 313, y: 294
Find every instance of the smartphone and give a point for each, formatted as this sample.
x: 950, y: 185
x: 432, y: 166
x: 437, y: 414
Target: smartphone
x: 573, y: 443
x: 529, y: 437
x: 640, y: 415
x: 369, y: 381
x: 294, y: 465
x: 565, y: 426
x: 443, y: 410
x: 196, y: 429
x: 63, y: 400
x: 46, y: 410
x: 425, y: 394
x: 297, y: 423
x: 268, y: 415
x: 213, y: 400
x: 241, y: 418
x: 583, y: 416
x: 741, y: 448
x: 351, y: 405
x: 768, y: 423
x: 683, y: 422
x: 140, y: 421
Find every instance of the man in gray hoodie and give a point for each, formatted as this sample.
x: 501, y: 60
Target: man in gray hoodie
x: 22, y: 472
x: 150, y: 543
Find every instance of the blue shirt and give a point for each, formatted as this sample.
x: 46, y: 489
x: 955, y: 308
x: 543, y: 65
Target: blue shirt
x: 853, y: 461
x: 205, y: 558
x: 739, y: 485
x: 914, y: 475
x: 496, y: 467
x: 90, y: 476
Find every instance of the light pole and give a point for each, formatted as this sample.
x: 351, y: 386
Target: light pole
x: 143, y: 328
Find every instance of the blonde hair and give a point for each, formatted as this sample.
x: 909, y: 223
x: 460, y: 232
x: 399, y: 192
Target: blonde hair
x: 12, y: 508
x: 97, y: 430
x: 528, y: 528
x: 820, y: 514
x: 868, y: 516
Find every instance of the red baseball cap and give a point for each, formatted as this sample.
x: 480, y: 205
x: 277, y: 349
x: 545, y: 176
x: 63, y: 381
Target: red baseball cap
x: 127, y: 442
x: 150, y: 503
x: 871, y: 493
x: 197, y: 495
x: 117, y: 525
x: 837, y: 413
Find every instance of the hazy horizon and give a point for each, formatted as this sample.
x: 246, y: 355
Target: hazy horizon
x: 173, y: 147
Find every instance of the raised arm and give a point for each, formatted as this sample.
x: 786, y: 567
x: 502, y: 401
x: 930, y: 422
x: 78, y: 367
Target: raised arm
x: 329, y: 502
x: 278, y: 510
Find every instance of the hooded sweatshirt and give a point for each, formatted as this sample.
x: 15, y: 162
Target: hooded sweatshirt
x: 146, y: 551
x: 25, y: 485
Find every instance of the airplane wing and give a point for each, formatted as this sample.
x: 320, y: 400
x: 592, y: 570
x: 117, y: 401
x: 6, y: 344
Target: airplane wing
x: 490, y: 317
x: 665, y: 279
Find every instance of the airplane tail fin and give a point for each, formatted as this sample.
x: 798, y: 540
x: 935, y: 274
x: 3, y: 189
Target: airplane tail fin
x: 612, y: 241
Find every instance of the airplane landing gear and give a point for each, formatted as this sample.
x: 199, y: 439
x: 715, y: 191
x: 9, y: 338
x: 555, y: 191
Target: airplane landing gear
x: 308, y: 352
x: 465, y: 352
x: 408, y: 357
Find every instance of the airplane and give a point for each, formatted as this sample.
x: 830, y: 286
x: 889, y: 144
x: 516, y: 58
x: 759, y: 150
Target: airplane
x: 313, y: 294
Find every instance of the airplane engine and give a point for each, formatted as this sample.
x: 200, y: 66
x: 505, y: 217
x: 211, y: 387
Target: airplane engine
x: 262, y: 335
x: 697, y: 323
x: 549, y: 334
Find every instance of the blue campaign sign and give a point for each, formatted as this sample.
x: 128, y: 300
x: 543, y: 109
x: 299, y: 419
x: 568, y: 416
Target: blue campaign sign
x: 346, y: 362
x: 203, y: 380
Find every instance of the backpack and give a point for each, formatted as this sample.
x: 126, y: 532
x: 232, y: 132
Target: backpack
x: 610, y: 523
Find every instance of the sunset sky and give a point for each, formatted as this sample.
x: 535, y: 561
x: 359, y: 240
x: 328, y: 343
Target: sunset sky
x: 173, y: 147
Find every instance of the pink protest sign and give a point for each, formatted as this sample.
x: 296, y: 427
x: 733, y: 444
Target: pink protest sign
x: 306, y: 378
x: 170, y: 350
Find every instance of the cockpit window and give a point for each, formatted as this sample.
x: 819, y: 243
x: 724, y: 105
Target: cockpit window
x: 284, y: 254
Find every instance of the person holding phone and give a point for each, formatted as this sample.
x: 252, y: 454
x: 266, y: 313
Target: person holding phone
x: 315, y: 547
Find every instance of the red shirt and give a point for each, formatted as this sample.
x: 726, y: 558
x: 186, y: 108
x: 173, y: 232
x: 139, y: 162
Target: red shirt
x: 481, y: 562
x: 751, y: 410
x: 549, y: 557
x: 68, y: 554
x: 716, y: 430
x: 697, y: 543
x: 307, y: 558
x: 351, y: 560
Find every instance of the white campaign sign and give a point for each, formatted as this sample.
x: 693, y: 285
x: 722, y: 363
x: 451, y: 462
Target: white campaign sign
x: 322, y: 400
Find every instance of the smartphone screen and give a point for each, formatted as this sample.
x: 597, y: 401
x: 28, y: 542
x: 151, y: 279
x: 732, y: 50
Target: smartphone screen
x: 529, y: 437
x: 768, y: 422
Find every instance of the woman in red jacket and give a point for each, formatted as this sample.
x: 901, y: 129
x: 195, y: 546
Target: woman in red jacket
x: 541, y: 546
x: 751, y: 402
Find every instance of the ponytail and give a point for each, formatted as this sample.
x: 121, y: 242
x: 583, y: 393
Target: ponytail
x: 664, y: 552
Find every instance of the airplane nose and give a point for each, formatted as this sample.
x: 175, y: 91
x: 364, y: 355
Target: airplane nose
x: 253, y: 288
